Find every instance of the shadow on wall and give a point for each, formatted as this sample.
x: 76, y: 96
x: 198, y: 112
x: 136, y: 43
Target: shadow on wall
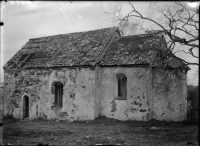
x: 193, y: 104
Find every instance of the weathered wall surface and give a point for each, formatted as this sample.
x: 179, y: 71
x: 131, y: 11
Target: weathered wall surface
x: 169, y: 95
x: 78, y: 93
x: 91, y: 92
x: 136, y: 107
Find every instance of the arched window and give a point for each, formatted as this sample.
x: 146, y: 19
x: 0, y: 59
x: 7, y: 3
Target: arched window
x: 58, y: 88
x: 122, y: 83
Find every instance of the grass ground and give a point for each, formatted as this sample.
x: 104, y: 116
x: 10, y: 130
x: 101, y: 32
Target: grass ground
x: 102, y: 130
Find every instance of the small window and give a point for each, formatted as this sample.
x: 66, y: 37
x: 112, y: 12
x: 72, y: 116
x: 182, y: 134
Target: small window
x: 122, y: 83
x: 58, y: 94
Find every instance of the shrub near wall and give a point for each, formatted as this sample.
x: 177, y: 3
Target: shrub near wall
x: 193, y: 104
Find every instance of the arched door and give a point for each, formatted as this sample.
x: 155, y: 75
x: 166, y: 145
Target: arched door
x: 26, y: 107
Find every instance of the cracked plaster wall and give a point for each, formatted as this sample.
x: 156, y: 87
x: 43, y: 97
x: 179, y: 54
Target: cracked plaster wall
x: 169, y: 95
x: 78, y: 93
x: 136, y: 107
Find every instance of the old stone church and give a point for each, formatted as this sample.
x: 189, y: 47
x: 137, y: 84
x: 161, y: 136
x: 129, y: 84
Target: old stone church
x: 84, y: 75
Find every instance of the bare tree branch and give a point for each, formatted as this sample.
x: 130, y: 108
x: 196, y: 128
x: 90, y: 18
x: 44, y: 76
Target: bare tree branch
x: 178, y: 23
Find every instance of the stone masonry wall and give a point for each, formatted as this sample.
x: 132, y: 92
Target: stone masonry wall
x: 78, y: 93
x: 92, y: 92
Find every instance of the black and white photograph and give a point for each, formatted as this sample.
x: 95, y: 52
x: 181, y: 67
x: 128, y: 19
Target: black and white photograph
x: 99, y: 73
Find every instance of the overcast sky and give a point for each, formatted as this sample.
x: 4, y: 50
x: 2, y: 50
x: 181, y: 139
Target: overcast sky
x: 25, y: 20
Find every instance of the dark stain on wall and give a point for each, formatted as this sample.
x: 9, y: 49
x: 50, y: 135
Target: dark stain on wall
x: 36, y: 110
x: 143, y: 96
x: 63, y: 114
x: 72, y: 95
x: 133, y: 110
x: 17, y: 91
x: 143, y: 110
x: 113, y: 106
x: 137, y: 103
x: 138, y: 97
x: 72, y: 111
x: 125, y: 113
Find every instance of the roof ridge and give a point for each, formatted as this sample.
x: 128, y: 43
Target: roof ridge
x: 73, y: 33
x: 140, y: 35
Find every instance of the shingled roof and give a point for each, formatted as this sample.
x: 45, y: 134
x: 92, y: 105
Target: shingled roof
x: 81, y: 48
x: 135, y: 49
x: 90, y: 48
x: 141, y: 49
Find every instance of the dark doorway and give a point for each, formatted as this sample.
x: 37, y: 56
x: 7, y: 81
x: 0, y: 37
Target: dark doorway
x: 26, y: 107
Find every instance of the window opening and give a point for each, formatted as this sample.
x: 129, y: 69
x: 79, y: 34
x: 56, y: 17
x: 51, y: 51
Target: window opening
x: 58, y: 94
x: 122, y: 86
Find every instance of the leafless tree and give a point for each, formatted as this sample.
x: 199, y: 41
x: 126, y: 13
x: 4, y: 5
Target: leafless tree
x: 175, y: 20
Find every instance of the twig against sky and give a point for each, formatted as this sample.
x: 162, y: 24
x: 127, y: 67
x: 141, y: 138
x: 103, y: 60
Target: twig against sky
x: 67, y: 20
x: 180, y: 25
x: 63, y: 14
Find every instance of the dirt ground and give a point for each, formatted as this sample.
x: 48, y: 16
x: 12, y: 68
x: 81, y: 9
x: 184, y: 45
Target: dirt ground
x: 100, y: 131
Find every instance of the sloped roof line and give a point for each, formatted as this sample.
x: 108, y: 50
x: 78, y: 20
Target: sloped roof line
x: 134, y: 49
x: 71, y: 33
